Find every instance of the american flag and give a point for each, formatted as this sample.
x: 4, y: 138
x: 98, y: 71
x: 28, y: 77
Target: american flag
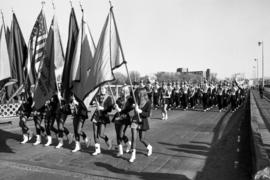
x: 36, y: 47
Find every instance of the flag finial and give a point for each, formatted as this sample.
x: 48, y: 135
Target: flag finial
x: 81, y: 6
x: 42, y: 4
x: 110, y: 2
x: 70, y: 1
x: 53, y: 5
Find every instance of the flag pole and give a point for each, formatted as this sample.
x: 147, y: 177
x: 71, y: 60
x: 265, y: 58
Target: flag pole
x: 121, y: 49
x: 124, y: 59
x: 111, y: 92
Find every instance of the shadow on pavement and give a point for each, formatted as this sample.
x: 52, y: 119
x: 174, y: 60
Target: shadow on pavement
x: 4, y: 136
x: 142, y: 175
x: 223, y: 161
x: 189, y: 148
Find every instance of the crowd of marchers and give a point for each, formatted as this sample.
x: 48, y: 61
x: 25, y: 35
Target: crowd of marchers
x: 129, y: 112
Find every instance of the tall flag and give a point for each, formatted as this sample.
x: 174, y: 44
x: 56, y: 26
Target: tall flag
x: 107, y: 57
x: 46, y: 81
x: 18, y: 55
x: 36, y: 47
x: 72, y: 38
x: 82, y: 61
x: 5, y: 72
x: 58, y: 54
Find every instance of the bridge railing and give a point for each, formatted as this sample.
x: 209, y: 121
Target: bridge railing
x: 260, y: 158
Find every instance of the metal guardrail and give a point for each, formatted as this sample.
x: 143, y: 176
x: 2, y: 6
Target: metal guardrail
x: 260, y: 158
x: 9, y: 110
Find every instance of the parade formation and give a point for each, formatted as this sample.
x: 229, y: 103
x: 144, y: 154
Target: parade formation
x: 49, y: 97
x: 60, y: 92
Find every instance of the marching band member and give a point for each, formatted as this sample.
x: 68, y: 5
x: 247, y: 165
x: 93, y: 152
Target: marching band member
x: 233, y: 96
x: 220, y: 97
x: 51, y: 108
x: 164, y: 95
x: 170, y: 93
x: 62, y: 114
x: 192, y: 92
x: 205, y: 95
x: 156, y: 95
x: 140, y: 123
x: 176, y: 94
x: 122, y: 119
x: 24, y: 112
x: 100, y: 119
x: 79, y: 113
x: 185, y: 95
x: 38, y: 116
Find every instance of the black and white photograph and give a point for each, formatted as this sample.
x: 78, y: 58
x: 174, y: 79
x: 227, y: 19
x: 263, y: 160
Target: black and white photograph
x: 145, y: 90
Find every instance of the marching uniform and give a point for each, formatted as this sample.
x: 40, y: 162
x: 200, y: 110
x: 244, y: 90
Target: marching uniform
x: 156, y: 96
x: 79, y: 113
x: 140, y: 123
x: 185, y: 96
x: 24, y: 112
x: 165, y: 96
x: 100, y: 118
x: 122, y: 120
x: 220, y: 97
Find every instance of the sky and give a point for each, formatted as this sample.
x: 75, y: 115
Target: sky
x: 160, y: 35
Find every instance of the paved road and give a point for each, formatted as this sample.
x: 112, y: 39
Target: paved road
x: 190, y: 145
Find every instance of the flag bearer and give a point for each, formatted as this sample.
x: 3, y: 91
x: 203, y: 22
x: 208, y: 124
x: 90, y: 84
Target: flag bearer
x: 24, y: 113
x: 101, y: 118
x: 122, y: 119
x: 79, y: 113
x: 140, y: 123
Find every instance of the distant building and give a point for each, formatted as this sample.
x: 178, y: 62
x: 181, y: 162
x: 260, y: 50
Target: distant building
x: 204, y: 74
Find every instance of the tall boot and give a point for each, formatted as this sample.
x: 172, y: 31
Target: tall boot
x: 38, y: 140
x: 49, y: 142
x: 60, y: 143
x: 120, y: 150
x: 128, y: 146
x: 77, y: 147
x: 133, y: 156
x: 163, y: 116
x: 149, y: 148
x: 25, y: 139
x: 97, y: 149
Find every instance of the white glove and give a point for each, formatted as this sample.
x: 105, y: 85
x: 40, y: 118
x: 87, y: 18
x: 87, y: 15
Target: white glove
x: 137, y: 109
x: 100, y: 108
x: 117, y: 108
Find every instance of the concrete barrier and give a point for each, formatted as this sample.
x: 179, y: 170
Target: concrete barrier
x: 260, y: 158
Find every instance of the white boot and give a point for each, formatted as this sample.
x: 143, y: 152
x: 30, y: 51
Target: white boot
x: 77, y: 147
x: 166, y: 117
x: 25, y: 139
x: 163, y: 116
x: 128, y: 146
x: 133, y: 156
x: 149, y: 148
x: 38, y: 140
x: 60, y: 143
x: 120, y: 150
x: 97, y: 151
x: 49, y: 142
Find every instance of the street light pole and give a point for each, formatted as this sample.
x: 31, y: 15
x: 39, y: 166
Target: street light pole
x: 257, y: 60
x: 261, y: 43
